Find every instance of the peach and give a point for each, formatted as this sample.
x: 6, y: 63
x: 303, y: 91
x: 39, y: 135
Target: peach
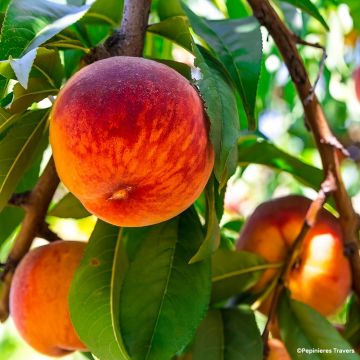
x: 356, y: 77
x: 322, y: 278
x: 130, y: 141
x: 277, y: 350
x: 39, y: 297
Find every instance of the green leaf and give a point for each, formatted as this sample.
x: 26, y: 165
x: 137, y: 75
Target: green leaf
x: 219, y: 199
x: 308, y: 7
x: 76, y: 2
x: 88, y: 355
x: 220, y: 105
x: 16, y: 148
x: 255, y: 150
x: 37, y: 90
x: 71, y: 61
x: 230, y: 233
x: 2, y: 16
x: 234, y: 272
x: 212, y: 239
x: 352, y: 326
x: 241, y: 53
x: 47, y: 64
x: 3, y: 5
x: 31, y: 176
x: 302, y: 327
x: 29, y: 24
x: 7, y: 120
x: 175, y: 29
x: 158, y: 317
x: 228, y: 334
x: 21, y: 67
x: 10, y: 218
x: 105, y: 11
x: 238, y: 43
x: 6, y: 100
x: 93, y: 300
x: 181, y: 68
x: 169, y: 8
x: 69, y: 207
x: 236, y: 9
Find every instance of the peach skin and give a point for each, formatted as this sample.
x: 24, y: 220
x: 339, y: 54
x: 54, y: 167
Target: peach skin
x: 39, y: 297
x: 322, y: 278
x: 130, y: 141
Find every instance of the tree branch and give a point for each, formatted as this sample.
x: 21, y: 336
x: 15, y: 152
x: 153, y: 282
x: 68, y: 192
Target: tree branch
x: 129, y: 39
x: 37, y: 203
x: 326, y: 142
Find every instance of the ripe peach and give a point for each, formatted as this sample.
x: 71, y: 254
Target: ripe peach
x: 356, y: 77
x: 277, y: 350
x: 130, y: 140
x: 39, y: 297
x: 322, y: 278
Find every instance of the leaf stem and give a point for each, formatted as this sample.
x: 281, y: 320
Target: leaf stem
x: 69, y: 46
x: 246, y: 271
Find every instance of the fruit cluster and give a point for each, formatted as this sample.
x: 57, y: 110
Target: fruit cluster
x: 130, y: 141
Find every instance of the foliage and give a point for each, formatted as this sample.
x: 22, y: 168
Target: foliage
x: 163, y: 291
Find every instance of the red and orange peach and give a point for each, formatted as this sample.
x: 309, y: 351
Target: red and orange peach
x: 277, y: 350
x: 130, y: 141
x: 39, y: 297
x: 322, y: 278
x: 356, y: 77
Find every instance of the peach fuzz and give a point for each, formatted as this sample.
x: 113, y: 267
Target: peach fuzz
x: 322, y: 278
x: 130, y: 141
x: 39, y: 297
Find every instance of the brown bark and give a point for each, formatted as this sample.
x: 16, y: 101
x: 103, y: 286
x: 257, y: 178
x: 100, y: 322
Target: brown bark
x: 129, y: 39
x: 35, y: 205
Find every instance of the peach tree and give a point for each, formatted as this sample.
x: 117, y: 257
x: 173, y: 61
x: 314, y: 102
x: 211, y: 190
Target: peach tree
x: 272, y: 83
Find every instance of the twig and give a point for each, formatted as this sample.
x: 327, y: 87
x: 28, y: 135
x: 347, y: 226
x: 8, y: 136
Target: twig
x: 129, y: 39
x: 301, y: 41
x: 327, y: 187
x: 47, y: 234
x: 327, y: 144
x: 37, y: 204
x: 20, y: 199
x: 320, y: 72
